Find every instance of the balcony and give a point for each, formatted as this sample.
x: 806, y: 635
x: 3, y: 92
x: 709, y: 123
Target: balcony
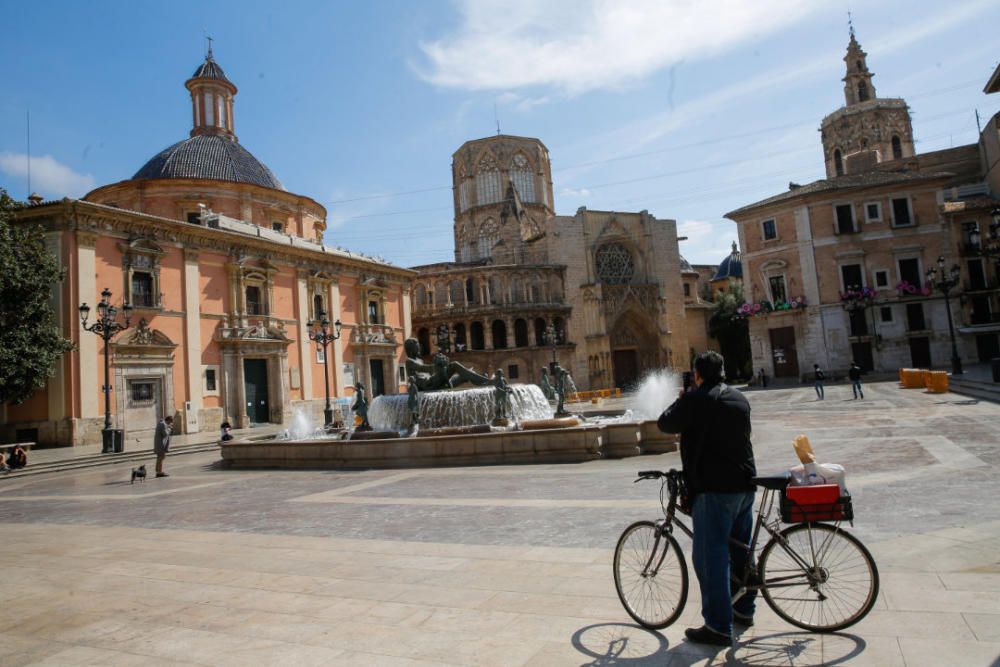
x: 427, y: 310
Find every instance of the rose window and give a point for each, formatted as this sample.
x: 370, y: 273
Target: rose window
x: 614, y: 264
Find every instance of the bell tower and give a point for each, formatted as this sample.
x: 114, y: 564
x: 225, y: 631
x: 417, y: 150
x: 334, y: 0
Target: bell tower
x: 211, y: 99
x: 868, y: 129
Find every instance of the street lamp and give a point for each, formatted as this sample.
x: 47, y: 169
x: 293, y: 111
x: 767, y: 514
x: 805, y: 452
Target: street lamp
x: 320, y: 332
x: 945, y: 284
x: 107, y: 327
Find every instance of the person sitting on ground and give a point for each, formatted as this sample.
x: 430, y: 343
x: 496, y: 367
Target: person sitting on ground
x: 18, y: 458
x: 3, y: 463
x: 225, y: 429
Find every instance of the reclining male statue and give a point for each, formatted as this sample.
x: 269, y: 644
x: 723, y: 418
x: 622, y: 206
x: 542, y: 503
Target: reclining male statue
x: 442, y: 373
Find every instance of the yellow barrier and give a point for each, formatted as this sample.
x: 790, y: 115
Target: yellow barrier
x: 911, y: 378
x: 937, y: 382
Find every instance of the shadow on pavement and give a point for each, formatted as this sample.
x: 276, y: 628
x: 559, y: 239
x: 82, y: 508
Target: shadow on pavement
x: 623, y: 645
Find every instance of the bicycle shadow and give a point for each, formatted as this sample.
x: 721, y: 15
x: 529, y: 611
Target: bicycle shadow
x: 624, y: 645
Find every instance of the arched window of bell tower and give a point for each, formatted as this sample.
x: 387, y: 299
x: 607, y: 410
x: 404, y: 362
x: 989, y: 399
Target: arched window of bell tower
x: 487, y: 181
x: 523, y: 178
x: 857, y: 65
x: 897, y: 148
x: 862, y: 91
x: 489, y: 234
x: 838, y: 163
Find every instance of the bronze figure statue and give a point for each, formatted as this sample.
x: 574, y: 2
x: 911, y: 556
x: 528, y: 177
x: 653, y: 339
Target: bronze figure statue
x: 442, y: 373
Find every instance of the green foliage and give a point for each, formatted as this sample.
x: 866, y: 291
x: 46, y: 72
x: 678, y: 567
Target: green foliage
x: 30, y: 339
x: 732, y: 332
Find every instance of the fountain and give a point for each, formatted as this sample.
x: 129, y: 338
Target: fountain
x: 435, y: 424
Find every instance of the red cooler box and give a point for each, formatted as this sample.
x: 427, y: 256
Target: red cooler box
x: 818, y: 502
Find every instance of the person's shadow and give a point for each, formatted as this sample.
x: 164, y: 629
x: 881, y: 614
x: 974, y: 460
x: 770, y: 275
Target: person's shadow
x: 623, y: 645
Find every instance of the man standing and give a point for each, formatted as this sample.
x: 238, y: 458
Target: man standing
x: 714, y: 423
x: 161, y: 443
x: 818, y: 376
x: 855, y: 376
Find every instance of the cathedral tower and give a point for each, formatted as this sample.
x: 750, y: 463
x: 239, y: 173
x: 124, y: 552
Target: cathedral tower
x: 503, y: 196
x: 868, y: 129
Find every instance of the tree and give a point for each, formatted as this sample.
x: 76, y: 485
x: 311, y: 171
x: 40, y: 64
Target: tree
x: 30, y: 340
x: 731, y: 331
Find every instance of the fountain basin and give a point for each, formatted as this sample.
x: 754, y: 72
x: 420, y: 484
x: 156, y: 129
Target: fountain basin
x: 555, y: 422
x: 623, y: 440
x: 655, y: 441
x: 564, y: 445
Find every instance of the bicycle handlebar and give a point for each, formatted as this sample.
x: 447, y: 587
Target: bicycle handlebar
x: 657, y: 474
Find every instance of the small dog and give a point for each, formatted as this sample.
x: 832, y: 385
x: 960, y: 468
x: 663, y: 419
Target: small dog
x: 139, y: 474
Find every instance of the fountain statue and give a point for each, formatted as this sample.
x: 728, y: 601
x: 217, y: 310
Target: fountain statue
x: 561, y: 386
x: 360, y: 407
x: 442, y: 373
x: 413, y: 402
x: 545, y: 385
x: 501, y: 399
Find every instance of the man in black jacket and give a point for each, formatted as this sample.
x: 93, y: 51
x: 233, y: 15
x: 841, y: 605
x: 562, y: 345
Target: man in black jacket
x: 714, y: 423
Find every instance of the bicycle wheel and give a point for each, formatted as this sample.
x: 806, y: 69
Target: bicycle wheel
x: 650, y: 575
x: 818, y: 577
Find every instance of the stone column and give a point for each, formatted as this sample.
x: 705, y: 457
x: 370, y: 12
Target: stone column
x: 407, y: 313
x: 90, y: 374
x: 306, y: 354
x: 336, y: 347
x: 192, y: 331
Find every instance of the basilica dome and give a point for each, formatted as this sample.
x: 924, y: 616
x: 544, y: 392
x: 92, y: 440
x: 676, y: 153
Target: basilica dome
x: 209, y: 156
x: 731, y: 266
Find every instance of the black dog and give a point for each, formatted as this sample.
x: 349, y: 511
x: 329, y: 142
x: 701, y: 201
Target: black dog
x: 139, y: 474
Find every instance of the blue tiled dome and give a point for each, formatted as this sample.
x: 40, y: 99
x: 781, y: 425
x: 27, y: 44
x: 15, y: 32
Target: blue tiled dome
x: 215, y: 157
x: 731, y: 266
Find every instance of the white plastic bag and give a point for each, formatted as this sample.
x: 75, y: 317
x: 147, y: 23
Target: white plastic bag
x: 819, y: 473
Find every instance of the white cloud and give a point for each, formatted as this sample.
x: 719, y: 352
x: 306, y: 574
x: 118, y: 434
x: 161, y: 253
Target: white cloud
x: 48, y: 176
x: 577, y: 45
x: 572, y: 192
x: 707, y: 242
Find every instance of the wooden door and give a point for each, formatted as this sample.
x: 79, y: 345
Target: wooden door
x: 786, y: 360
x: 626, y: 367
x: 255, y: 381
x: 920, y: 352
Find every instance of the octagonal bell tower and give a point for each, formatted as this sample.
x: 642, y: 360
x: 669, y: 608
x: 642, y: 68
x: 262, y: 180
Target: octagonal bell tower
x: 502, y: 196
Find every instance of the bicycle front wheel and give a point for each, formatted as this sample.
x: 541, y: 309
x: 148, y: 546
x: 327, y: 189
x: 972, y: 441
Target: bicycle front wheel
x: 818, y: 577
x: 650, y: 575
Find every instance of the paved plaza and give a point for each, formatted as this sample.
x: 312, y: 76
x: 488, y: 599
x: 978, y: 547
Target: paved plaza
x: 487, y: 565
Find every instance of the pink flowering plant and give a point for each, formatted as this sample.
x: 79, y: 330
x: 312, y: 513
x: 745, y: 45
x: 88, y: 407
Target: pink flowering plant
x: 904, y: 288
x: 764, y: 307
x: 858, y: 295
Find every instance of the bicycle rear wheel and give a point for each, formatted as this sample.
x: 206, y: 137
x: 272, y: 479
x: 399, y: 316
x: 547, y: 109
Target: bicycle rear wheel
x: 651, y: 575
x: 818, y: 577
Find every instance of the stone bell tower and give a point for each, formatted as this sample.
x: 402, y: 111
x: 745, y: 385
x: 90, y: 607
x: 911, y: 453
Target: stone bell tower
x: 868, y: 129
x: 503, y: 196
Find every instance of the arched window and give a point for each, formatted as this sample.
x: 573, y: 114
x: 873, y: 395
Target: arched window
x: 862, y: 91
x: 539, y: 332
x: 455, y: 291
x: 318, y: 307
x: 614, y: 264
x: 523, y: 178
x: 499, y: 331
x: 255, y: 305
x: 421, y: 295
x: 470, y: 291
x: 476, y: 335
x: 897, y: 148
x: 496, y: 290
x: 838, y: 163
x: 520, y: 333
x: 517, y: 290
x: 460, y: 341
x: 488, y: 181
x: 489, y: 234
x: 560, y: 330
x: 857, y: 65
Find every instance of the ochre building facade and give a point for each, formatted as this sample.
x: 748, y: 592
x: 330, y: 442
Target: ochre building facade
x: 224, y: 269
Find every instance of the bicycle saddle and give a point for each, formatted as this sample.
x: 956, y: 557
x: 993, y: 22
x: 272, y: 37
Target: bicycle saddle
x: 773, y: 482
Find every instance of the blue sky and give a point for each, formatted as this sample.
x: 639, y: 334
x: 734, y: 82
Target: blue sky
x: 687, y: 109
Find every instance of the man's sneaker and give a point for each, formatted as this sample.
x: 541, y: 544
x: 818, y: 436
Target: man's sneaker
x: 706, y: 635
x: 742, y: 619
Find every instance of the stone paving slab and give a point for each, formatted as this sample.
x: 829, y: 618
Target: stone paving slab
x: 505, y: 565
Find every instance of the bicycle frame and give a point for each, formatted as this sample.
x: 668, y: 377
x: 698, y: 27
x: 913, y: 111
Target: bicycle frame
x: 748, y: 581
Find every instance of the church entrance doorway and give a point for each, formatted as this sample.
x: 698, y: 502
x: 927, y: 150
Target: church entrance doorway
x: 255, y: 382
x: 626, y: 366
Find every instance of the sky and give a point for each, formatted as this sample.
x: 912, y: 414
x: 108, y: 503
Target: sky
x: 687, y: 109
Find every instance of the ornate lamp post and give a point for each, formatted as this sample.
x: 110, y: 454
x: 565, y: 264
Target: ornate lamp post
x: 320, y: 332
x: 945, y: 284
x: 107, y: 327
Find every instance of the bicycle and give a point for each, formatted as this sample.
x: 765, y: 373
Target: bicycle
x: 813, y: 574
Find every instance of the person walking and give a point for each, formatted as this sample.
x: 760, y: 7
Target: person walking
x: 818, y: 376
x: 718, y: 463
x: 161, y: 443
x: 854, y: 374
